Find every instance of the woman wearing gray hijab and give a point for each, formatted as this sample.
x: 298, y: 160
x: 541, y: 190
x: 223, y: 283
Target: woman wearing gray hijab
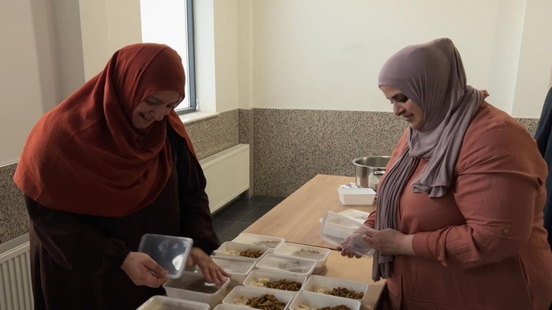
x: 459, y: 221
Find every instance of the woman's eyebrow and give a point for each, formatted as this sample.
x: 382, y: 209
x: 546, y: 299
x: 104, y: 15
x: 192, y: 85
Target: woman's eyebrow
x: 156, y: 100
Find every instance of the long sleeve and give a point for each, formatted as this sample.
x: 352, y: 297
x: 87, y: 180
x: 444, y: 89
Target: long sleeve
x: 195, y: 215
x: 498, y: 190
x: 73, y: 243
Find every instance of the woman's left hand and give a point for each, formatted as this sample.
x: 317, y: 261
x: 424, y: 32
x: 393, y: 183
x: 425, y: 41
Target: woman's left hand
x: 211, y: 271
x: 390, y: 241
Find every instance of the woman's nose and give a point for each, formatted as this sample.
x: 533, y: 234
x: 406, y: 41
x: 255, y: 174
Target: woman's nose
x: 158, y: 113
x: 397, y: 108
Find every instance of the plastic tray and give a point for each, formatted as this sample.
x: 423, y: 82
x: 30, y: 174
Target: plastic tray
x: 170, y: 252
x: 237, y: 267
x: 269, y: 241
x: 344, y: 232
x: 157, y: 302
x: 316, y: 283
x: 289, y: 264
x: 192, y: 286
x: 270, y: 275
x: 245, y: 292
x: 228, y: 247
x: 320, y: 255
x: 318, y: 301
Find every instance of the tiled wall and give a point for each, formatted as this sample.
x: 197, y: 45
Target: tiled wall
x: 288, y: 148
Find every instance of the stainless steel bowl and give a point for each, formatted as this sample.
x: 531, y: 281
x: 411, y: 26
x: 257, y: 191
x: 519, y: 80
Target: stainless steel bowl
x: 369, y: 169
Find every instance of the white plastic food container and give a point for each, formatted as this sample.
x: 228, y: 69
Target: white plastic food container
x: 320, y: 255
x: 192, y: 286
x: 269, y: 241
x: 237, y: 267
x: 242, y: 293
x: 318, y: 284
x: 258, y: 278
x: 356, y: 196
x: 231, y: 307
x: 164, y: 302
x: 232, y: 249
x: 289, y: 264
x: 346, y: 233
x: 356, y: 215
x: 307, y: 300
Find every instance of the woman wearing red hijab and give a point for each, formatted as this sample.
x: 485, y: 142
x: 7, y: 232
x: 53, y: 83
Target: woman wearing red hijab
x: 109, y: 164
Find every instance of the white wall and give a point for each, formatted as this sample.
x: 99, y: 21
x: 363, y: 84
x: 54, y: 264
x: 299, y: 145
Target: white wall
x: 106, y: 26
x: 325, y: 54
x: 25, y: 82
x: 535, y: 63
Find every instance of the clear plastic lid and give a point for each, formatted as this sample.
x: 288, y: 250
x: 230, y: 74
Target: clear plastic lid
x: 346, y: 233
x: 170, y: 252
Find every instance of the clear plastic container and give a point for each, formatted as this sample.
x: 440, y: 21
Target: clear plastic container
x: 237, y: 267
x: 346, y: 233
x: 320, y: 255
x: 261, y: 278
x: 311, y: 301
x: 269, y: 241
x: 170, y: 252
x: 287, y: 264
x: 233, y: 249
x: 356, y: 196
x: 321, y: 285
x: 168, y: 303
x: 359, y: 216
x: 192, y: 286
x: 240, y: 294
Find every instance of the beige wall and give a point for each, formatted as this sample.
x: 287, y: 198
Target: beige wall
x: 25, y: 82
x: 325, y: 54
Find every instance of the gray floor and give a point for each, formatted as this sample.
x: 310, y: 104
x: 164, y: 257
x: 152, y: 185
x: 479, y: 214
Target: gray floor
x: 239, y: 214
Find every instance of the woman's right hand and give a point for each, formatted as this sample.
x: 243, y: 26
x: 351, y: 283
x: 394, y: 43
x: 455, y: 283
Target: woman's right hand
x: 143, y: 270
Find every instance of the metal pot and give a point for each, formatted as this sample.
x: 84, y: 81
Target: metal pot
x: 369, y: 170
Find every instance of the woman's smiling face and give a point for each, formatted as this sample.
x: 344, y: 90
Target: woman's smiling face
x: 154, y: 108
x: 405, y: 107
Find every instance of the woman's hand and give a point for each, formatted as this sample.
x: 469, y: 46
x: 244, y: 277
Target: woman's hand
x: 390, y: 241
x: 211, y: 271
x: 143, y: 270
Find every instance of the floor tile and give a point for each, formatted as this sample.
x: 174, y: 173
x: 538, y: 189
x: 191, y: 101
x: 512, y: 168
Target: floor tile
x: 234, y: 231
x: 222, y: 226
x: 256, y: 213
x: 273, y: 200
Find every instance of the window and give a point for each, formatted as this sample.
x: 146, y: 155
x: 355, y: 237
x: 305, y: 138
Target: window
x: 171, y: 22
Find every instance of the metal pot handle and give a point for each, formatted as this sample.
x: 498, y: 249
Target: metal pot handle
x: 379, y: 172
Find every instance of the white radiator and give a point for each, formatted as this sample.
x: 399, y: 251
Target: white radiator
x: 15, y: 279
x: 227, y: 175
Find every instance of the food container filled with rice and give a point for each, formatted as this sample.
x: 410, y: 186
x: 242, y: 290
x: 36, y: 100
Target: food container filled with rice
x: 312, y: 301
x: 289, y: 264
x: 268, y: 241
x: 259, y: 298
x: 168, y: 303
x: 237, y: 267
x: 336, y: 287
x: 275, y: 280
x: 232, y: 249
x: 320, y: 255
x: 192, y: 286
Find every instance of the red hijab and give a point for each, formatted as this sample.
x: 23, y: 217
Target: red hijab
x: 85, y: 157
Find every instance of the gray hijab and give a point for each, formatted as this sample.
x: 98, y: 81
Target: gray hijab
x: 433, y: 77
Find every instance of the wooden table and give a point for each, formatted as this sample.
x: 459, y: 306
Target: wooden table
x: 296, y: 219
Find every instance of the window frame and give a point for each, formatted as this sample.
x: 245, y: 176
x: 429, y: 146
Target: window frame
x: 190, y: 75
